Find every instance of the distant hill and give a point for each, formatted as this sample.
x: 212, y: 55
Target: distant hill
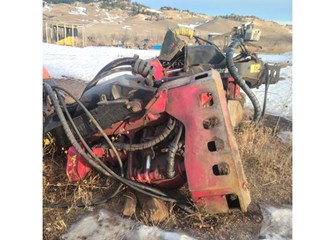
x: 108, y: 22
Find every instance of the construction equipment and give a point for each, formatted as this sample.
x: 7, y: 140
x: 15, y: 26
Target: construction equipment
x: 164, y: 125
x: 247, y: 32
x: 62, y: 33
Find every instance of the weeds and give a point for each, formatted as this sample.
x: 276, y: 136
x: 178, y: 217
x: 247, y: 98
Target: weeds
x: 267, y: 164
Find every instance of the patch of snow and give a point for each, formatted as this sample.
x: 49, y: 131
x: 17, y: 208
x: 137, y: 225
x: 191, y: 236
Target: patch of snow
x: 284, y: 23
x: 214, y: 33
x: 279, y: 97
x: 79, y: 11
x: 77, y: 62
x: 46, y: 6
x: 277, y: 58
x: 109, y: 18
x: 276, y: 224
x: 102, y: 224
x: 126, y: 27
x: 285, y: 136
x: 189, y: 25
x: 153, y: 10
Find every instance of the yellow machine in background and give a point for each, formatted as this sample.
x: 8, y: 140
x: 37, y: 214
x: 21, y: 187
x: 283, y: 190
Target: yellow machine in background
x: 65, y: 34
x: 62, y: 33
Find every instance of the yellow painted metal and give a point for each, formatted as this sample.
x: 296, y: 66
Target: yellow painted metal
x: 255, y: 68
x: 68, y: 41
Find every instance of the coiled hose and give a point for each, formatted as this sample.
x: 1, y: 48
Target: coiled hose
x: 240, y: 81
x: 173, y: 147
x: 98, y: 164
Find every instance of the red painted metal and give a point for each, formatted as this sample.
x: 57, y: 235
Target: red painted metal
x: 233, y: 89
x: 159, y: 70
x: 46, y: 74
x: 192, y: 101
x: 76, y: 168
x: 205, y: 99
x: 207, y: 148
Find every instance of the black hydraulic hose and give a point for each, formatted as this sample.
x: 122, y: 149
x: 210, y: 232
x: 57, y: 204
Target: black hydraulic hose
x: 266, y: 88
x: 94, y: 121
x: 141, y: 146
x: 67, y: 130
x: 111, y: 145
x: 88, y: 149
x: 240, y: 81
x: 82, y: 205
x: 115, y: 63
x: 206, y: 41
x: 82, y: 140
x: 105, y: 170
x: 173, y: 147
x: 105, y: 74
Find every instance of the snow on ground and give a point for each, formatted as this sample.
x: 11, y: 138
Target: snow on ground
x: 192, y: 26
x: 103, y: 224
x: 46, y: 6
x: 279, y: 97
x: 79, y: 11
x: 276, y: 224
x: 285, y: 136
x: 85, y: 63
x: 153, y: 10
x: 126, y: 27
x: 277, y: 58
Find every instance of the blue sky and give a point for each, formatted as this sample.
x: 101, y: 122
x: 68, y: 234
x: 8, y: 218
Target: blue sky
x: 276, y: 10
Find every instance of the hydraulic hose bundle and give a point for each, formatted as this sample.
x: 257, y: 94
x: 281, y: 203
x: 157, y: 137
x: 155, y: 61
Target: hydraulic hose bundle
x: 136, y: 66
x: 95, y: 162
x: 111, y: 68
x: 240, y: 81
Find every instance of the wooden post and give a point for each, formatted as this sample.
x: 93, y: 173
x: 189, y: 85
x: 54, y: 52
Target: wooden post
x: 83, y: 27
x: 57, y: 33
x: 72, y: 35
x: 46, y: 32
x: 64, y: 34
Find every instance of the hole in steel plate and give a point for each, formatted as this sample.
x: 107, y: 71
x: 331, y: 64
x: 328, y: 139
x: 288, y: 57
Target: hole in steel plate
x: 210, y: 122
x: 201, y: 76
x: 232, y: 201
x: 217, y: 144
x: 221, y: 169
x: 206, y: 99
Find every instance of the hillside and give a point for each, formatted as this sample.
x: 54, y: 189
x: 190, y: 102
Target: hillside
x: 133, y: 24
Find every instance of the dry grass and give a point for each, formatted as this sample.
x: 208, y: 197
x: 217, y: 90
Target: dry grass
x: 267, y: 164
x: 58, y: 190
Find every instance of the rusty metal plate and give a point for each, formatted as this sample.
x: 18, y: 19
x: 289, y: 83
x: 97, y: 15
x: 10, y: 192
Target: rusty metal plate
x: 213, y: 165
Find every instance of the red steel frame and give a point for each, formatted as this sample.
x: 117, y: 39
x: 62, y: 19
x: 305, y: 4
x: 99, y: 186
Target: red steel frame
x: 193, y: 100
x: 184, y: 103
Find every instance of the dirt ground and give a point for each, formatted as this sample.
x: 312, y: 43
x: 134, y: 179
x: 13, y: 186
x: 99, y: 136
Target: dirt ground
x: 268, y: 167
